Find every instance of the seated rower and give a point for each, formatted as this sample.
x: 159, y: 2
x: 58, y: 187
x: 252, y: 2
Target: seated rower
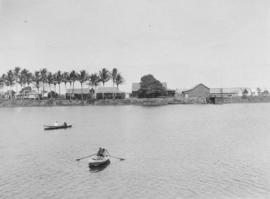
x: 56, y: 123
x: 102, y: 152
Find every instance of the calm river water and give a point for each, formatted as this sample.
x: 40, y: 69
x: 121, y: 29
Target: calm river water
x: 177, y: 151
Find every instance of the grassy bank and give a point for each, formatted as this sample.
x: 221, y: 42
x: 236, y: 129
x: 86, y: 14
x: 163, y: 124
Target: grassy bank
x: 129, y: 101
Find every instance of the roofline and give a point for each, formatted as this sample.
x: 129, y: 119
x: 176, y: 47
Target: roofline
x: 195, y: 87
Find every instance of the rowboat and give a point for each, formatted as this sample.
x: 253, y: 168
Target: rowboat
x: 53, y: 127
x: 97, y: 161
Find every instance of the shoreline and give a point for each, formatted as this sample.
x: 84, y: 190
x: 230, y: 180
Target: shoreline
x: 130, y: 101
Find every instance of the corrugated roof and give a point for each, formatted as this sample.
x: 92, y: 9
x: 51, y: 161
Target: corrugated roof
x: 108, y: 90
x: 226, y: 90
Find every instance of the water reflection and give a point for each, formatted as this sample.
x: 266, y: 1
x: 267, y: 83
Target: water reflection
x: 94, y: 169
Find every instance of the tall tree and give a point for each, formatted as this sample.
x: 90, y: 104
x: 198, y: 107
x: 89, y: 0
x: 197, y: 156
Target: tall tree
x: 37, y: 80
x: 82, y: 77
x: 55, y: 81
x: 114, y: 75
x: 23, y: 77
x: 93, y: 80
x: 104, y: 76
x: 10, y: 81
x: 17, y: 71
x: 65, y: 78
x: 2, y: 81
x: 44, y: 79
x: 50, y: 81
x: 29, y: 78
x: 59, y: 79
x: 73, y: 78
x: 119, y: 80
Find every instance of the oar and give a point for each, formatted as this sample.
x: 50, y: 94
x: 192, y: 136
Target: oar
x: 121, y: 159
x: 85, y: 157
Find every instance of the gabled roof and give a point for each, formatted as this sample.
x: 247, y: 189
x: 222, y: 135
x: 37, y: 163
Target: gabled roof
x: 108, y: 90
x: 195, y: 87
x: 136, y: 86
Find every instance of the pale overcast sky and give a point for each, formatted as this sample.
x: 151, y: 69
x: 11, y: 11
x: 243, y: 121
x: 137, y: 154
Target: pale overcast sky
x: 222, y: 43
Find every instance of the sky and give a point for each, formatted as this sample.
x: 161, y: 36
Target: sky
x: 221, y: 43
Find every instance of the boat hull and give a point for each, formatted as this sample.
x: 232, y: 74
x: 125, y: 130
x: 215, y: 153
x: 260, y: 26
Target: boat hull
x: 57, y: 127
x: 97, y: 161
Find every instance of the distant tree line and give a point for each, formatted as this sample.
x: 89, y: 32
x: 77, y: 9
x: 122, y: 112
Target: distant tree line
x: 44, y: 79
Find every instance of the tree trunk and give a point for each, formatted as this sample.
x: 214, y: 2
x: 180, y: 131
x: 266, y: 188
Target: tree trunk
x: 38, y: 93
x: 73, y: 88
x: 42, y: 90
x: 59, y: 90
x: 81, y: 92
x: 50, y: 91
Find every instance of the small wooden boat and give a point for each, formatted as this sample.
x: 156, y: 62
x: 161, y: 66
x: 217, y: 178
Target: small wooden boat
x: 53, y: 127
x: 97, y: 161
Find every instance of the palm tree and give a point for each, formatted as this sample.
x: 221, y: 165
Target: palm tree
x: 10, y: 79
x: 22, y: 78
x: 54, y: 81
x: 93, y: 80
x: 37, y: 80
x: 73, y: 78
x: 104, y: 75
x: 119, y: 80
x: 114, y: 74
x: 44, y: 78
x: 82, y: 77
x: 50, y: 81
x: 59, y: 79
x: 65, y: 78
x: 2, y: 81
x: 29, y: 78
x: 17, y: 71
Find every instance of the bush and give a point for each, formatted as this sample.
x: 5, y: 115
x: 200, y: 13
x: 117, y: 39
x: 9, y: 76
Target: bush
x: 151, y: 88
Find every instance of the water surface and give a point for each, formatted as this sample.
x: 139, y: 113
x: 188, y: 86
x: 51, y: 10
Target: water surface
x: 178, y: 151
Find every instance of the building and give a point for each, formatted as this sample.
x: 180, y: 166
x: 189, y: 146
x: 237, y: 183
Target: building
x: 199, y: 90
x: 225, y: 92
x: 78, y: 93
x: 109, y: 93
x: 230, y: 92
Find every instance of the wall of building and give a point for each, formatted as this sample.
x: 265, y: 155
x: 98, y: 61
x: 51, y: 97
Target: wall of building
x: 198, y: 91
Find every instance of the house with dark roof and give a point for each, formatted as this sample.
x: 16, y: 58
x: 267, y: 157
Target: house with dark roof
x: 78, y: 93
x: 109, y: 93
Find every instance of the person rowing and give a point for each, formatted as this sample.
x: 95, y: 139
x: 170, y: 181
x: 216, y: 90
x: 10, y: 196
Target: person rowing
x: 102, y: 152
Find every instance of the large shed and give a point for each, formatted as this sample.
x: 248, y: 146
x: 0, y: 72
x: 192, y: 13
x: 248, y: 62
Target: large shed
x: 199, y: 90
